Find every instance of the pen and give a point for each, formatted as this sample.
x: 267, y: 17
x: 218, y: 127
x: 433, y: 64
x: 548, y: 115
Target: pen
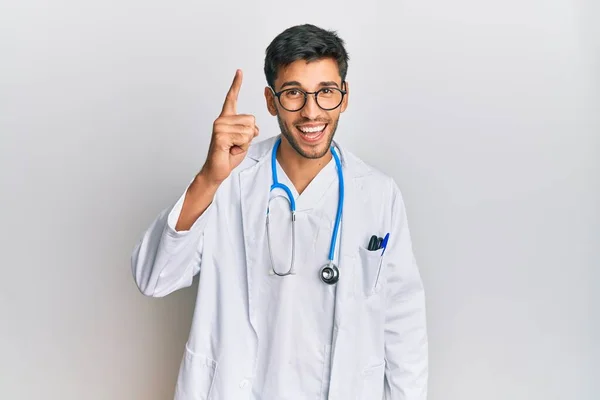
x: 384, y: 243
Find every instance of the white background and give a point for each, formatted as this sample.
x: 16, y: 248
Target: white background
x: 486, y: 113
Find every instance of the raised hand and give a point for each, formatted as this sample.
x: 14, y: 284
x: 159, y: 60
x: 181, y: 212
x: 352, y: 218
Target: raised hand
x: 231, y: 136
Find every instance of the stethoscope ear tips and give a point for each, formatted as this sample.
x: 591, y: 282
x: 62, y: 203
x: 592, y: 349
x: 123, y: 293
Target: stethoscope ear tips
x: 330, y: 274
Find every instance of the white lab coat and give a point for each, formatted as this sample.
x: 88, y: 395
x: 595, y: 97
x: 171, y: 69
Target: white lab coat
x: 379, y: 348
x: 294, y: 315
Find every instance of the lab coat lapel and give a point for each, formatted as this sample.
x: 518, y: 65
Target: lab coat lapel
x: 344, y: 335
x: 255, y: 182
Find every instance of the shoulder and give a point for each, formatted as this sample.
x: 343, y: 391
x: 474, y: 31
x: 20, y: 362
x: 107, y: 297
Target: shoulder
x: 378, y: 193
x: 377, y: 189
x: 369, y: 177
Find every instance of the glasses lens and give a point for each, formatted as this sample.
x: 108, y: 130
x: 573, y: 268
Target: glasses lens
x: 292, y: 99
x: 329, y: 98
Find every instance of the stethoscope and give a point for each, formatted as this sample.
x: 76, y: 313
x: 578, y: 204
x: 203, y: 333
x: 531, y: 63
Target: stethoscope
x: 329, y: 273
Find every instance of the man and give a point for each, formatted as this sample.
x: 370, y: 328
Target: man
x: 327, y: 304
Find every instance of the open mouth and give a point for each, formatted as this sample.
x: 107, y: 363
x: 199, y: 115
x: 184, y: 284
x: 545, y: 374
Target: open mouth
x: 312, y: 133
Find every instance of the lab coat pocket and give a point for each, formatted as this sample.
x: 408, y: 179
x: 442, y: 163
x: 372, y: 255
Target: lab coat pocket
x: 196, y: 378
x: 371, y: 267
x: 372, y: 382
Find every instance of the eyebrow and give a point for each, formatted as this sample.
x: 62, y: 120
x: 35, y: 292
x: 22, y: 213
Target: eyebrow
x: 296, y: 83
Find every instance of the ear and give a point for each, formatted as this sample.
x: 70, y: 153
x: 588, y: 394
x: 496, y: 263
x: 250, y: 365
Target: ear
x: 345, y: 101
x: 270, y: 99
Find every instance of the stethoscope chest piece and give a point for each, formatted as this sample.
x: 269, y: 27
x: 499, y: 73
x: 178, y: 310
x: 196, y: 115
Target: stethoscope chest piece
x: 330, y: 274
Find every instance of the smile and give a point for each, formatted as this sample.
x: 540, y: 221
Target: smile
x: 312, y: 129
x: 313, y: 133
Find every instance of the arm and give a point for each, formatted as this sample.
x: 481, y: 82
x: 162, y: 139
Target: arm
x: 406, y: 343
x: 169, y: 254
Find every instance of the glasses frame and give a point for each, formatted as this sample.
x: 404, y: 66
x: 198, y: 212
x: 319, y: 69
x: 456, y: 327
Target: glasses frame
x: 278, y: 95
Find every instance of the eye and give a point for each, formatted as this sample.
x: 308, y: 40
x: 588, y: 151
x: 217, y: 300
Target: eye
x: 293, y: 93
x: 327, y: 91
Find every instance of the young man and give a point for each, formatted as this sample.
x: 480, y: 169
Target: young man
x: 322, y: 303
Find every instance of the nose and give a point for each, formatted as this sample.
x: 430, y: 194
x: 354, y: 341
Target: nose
x: 311, y: 109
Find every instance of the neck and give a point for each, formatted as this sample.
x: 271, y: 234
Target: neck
x: 300, y: 170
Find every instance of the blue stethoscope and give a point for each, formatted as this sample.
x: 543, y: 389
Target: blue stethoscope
x: 329, y: 273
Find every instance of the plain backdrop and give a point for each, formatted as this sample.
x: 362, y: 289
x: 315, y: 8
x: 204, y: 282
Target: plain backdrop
x: 485, y: 112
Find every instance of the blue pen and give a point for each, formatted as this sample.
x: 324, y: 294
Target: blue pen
x: 383, y: 245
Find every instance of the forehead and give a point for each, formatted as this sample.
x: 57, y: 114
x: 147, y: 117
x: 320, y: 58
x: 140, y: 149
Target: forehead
x: 309, y: 73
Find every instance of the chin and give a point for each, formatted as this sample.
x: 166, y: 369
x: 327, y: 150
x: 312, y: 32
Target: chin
x: 310, y: 140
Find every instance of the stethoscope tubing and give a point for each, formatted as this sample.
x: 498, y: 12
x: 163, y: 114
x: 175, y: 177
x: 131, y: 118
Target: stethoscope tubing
x: 277, y: 185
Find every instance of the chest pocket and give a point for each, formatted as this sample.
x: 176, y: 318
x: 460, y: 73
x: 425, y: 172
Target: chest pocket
x: 370, y: 278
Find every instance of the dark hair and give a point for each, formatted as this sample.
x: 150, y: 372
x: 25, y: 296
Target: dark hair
x: 304, y: 42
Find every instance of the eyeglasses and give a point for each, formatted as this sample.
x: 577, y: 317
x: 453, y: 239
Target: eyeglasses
x: 293, y: 100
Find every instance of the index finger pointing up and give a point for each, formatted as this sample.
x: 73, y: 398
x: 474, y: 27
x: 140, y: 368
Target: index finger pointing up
x: 230, y: 105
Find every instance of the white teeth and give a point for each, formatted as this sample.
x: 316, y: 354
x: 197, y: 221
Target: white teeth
x: 312, y: 130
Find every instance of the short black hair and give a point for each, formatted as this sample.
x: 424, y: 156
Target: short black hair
x: 304, y: 42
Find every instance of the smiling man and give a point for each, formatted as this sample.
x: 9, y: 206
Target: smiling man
x: 308, y: 287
